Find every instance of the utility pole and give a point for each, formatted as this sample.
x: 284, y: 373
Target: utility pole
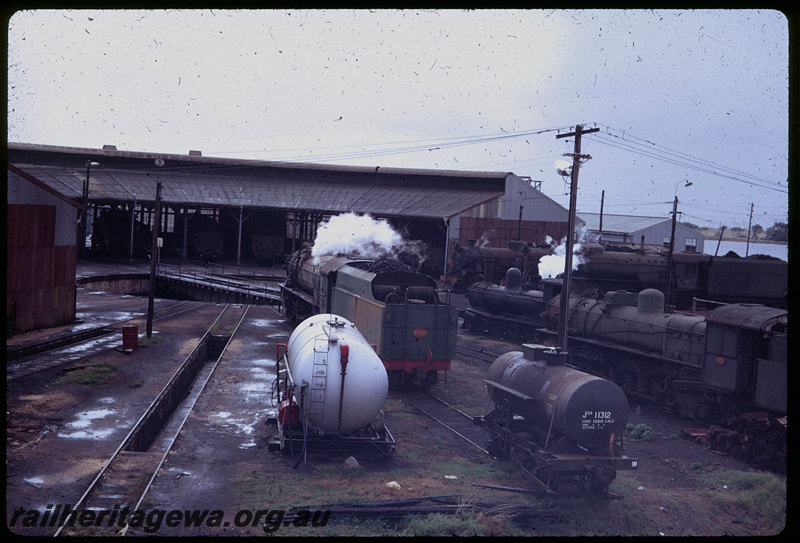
x: 602, y: 201
x: 669, y: 255
x: 153, y: 249
x: 749, y: 228
x: 573, y: 197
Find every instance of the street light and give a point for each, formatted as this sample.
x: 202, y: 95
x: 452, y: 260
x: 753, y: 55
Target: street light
x: 667, y: 294
x: 85, y: 203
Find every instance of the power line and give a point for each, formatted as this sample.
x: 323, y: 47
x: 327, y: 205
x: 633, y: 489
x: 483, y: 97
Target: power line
x: 665, y: 154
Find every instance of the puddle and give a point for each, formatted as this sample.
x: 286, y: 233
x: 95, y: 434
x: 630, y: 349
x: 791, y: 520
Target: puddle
x: 264, y: 322
x: 83, y: 425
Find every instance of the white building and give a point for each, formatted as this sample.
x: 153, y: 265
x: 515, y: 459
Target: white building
x: 647, y: 230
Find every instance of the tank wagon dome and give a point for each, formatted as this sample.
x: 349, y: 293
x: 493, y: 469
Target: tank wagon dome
x: 335, y: 397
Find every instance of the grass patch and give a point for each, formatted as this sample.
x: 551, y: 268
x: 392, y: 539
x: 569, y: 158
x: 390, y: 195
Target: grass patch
x: 437, y: 524
x: 750, y: 491
x: 89, y: 374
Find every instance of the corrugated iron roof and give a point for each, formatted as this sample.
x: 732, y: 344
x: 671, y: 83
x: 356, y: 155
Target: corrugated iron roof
x: 748, y: 316
x: 197, y: 180
x: 623, y: 224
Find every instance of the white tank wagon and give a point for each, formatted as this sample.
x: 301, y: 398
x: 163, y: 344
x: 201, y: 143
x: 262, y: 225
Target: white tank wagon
x: 331, y: 386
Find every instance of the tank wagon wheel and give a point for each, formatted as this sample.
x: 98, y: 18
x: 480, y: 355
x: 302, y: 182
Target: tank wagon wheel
x: 601, y: 477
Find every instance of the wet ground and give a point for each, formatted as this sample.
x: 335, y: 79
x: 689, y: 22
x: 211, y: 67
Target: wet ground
x: 60, y: 432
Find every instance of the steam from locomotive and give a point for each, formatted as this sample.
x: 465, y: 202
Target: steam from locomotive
x: 553, y: 265
x: 364, y: 236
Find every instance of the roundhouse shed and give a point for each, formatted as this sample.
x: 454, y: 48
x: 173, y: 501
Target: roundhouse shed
x: 224, y: 207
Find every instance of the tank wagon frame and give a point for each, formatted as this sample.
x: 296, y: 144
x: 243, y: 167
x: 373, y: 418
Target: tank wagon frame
x: 563, y: 427
x: 400, y: 312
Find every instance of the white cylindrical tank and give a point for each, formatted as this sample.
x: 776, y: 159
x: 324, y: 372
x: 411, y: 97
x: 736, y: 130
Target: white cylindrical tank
x: 315, y: 354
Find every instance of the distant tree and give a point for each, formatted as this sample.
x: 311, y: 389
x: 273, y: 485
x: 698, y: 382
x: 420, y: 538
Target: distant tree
x: 778, y: 232
x: 757, y: 230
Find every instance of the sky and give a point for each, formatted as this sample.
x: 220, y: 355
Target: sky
x: 679, y: 96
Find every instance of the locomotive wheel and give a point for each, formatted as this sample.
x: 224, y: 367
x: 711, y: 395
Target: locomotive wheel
x: 655, y: 388
x: 628, y: 378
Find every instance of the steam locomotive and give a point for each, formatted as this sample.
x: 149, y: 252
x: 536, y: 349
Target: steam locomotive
x: 472, y: 263
x: 718, y: 366
x: 396, y: 309
x: 730, y: 278
x: 709, y: 367
x: 562, y: 424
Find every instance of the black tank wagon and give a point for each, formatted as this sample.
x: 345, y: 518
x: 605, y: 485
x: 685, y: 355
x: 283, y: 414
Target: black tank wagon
x: 563, y: 425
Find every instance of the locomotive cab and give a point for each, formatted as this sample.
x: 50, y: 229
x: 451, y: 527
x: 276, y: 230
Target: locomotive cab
x: 739, y: 348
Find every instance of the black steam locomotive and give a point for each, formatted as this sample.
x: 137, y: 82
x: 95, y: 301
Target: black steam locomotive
x: 396, y: 309
x: 709, y: 367
x: 730, y: 278
x: 472, y: 263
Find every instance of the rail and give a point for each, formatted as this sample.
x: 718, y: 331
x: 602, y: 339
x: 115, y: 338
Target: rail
x: 131, y: 463
x: 233, y: 279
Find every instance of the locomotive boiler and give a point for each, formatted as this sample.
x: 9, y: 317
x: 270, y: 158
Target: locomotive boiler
x: 508, y: 310
x: 566, y: 424
x: 330, y: 388
x: 396, y: 309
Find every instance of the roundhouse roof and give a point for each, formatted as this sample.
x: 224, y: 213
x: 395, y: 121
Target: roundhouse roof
x: 193, y: 180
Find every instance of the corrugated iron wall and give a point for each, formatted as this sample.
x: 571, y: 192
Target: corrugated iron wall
x: 40, y: 283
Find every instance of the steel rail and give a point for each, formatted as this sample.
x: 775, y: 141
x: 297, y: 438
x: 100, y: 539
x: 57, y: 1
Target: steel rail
x: 127, y: 439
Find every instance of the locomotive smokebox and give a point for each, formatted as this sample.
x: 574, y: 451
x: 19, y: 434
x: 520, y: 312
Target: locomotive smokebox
x: 585, y: 408
x: 339, y: 380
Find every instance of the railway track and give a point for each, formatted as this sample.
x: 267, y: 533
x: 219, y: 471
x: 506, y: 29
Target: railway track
x: 114, y: 497
x: 448, y: 416
x: 468, y: 353
x: 61, y: 350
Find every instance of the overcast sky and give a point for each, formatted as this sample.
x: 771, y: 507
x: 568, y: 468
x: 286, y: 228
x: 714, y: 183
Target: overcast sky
x: 679, y: 95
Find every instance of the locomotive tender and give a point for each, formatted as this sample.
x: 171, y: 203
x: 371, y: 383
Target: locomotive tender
x: 331, y: 387
x: 397, y: 310
x: 560, y: 423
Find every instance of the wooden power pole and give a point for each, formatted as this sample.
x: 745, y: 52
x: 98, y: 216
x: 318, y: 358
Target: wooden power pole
x: 573, y: 197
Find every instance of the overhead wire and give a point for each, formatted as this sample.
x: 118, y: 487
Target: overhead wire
x: 678, y: 158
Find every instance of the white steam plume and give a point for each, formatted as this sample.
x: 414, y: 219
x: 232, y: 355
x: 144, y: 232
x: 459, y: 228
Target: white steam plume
x: 360, y: 235
x: 553, y: 265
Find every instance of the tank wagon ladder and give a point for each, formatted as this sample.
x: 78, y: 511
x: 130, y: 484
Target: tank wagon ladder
x: 319, y: 378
